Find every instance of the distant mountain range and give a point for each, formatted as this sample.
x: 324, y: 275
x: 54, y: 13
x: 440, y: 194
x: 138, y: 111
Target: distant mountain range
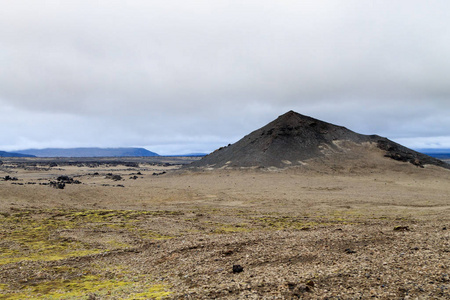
x: 12, y: 154
x: 87, y: 152
x: 189, y: 154
x: 438, y: 153
x: 142, y: 152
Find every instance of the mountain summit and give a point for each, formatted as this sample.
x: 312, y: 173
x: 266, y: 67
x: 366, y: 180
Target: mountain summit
x: 293, y: 139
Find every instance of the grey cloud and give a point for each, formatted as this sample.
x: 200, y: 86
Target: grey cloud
x: 215, y: 70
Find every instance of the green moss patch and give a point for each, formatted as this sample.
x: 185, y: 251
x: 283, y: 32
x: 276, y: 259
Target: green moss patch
x: 49, y: 235
x: 303, y: 223
x: 88, y: 286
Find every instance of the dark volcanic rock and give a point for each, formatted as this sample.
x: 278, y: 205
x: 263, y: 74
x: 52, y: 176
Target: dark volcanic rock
x: 9, y: 178
x: 57, y: 185
x: 67, y: 180
x: 61, y: 182
x: 237, y: 269
x: 113, y: 177
x: 293, y: 138
x: 401, y: 153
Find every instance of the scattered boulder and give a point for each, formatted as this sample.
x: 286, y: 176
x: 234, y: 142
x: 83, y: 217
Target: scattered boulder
x: 401, y: 228
x: 57, y: 185
x: 228, y: 252
x: 310, y: 283
x: 114, y: 177
x: 61, y: 182
x: 157, y: 174
x: 131, y: 164
x: 67, y: 180
x: 297, y: 290
x: 238, y: 269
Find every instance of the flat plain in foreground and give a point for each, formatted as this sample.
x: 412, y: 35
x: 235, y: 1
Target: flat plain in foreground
x: 130, y: 231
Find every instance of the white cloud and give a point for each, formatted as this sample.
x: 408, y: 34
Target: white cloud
x: 148, y: 72
x: 434, y: 142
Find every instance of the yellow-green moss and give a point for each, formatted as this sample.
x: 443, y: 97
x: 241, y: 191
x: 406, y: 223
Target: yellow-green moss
x: 155, y: 292
x: 82, y: 287
x: 12, y: 257
x: 36, y: 235
x: 31, y: 239
x: 151, y: 235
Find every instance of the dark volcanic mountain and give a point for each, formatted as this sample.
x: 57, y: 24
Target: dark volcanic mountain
x: 292, y: 139
x: 88, y: 152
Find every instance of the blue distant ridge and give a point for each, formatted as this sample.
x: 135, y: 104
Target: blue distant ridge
x: 437, y: 153
x: 89, y: 152
x: 187, y: 155
x: 12, y: 154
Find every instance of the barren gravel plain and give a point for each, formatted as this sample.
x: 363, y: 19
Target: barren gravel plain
x: 142, y: 229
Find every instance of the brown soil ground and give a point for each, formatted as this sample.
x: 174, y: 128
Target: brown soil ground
x: 366, y: 230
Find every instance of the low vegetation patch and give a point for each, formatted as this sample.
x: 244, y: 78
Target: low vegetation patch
x: 48, y: 235
x: 89, y: 287
x: 303, y: 223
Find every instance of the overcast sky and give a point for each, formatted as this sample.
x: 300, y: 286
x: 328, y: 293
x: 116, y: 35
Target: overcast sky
x: 190, y: 76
